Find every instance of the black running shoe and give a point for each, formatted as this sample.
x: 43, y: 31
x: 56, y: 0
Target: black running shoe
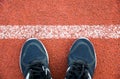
x: 81, y: 60
x: 34, y: 60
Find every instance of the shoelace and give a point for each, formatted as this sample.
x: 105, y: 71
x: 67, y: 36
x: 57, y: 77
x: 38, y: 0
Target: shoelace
x: 39, y: 71
x: 77, y: 71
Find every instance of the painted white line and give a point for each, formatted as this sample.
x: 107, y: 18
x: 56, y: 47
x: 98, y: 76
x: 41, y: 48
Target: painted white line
x: 65, y: 31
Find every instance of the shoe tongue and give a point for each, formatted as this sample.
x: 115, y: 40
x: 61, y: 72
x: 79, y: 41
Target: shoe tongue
x: 77, y: 70
x: 35, y: 70
x: 80, y: 68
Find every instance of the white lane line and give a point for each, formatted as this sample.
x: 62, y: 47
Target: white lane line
x: 59, y: 31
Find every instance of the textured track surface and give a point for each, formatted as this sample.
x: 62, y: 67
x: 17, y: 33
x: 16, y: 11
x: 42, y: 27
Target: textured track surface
x: 60, y: 12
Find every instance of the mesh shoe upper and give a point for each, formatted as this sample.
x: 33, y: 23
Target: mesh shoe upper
x: 34, y: 60
x: 81, y: 60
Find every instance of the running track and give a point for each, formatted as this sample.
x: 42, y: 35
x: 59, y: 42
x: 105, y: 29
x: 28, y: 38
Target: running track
x: 99, y: 20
